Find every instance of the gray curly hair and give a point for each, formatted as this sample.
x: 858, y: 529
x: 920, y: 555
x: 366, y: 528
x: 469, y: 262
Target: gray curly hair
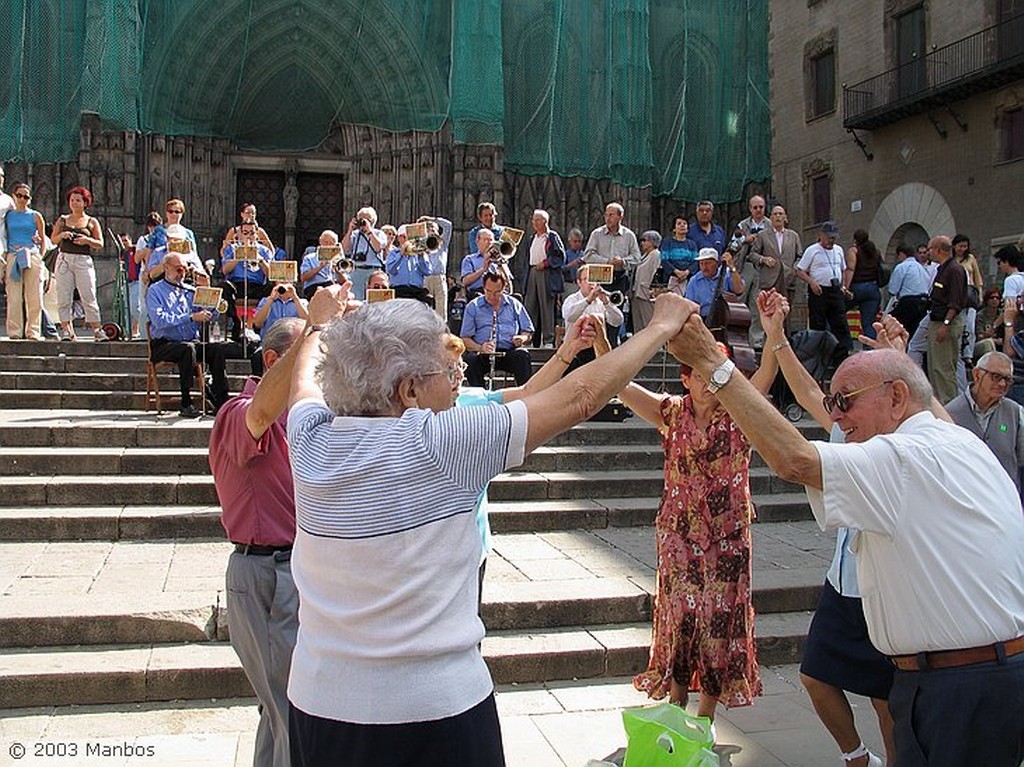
x: 369, y: 351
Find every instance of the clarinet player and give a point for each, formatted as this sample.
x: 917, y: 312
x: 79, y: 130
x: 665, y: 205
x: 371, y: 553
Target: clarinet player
x: 495, y: 329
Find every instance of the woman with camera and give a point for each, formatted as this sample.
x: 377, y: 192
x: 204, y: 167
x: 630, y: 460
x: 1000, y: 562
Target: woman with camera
x: 23, y: 270
x: 75, y: 235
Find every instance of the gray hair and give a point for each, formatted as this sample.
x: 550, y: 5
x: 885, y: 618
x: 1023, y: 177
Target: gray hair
x: 368, y: 213
x: 997, y: 356
x: 369, y: 351
x: 282, y: 334
x: 543, y: 214
x: 575, y: 232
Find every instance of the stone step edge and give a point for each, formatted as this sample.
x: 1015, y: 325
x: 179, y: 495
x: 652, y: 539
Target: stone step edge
x: 200, y: 616
x: 112, y: 675
x: 134, y: 522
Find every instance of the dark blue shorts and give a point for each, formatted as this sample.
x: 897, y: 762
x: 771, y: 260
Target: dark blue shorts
x: 838, y: 651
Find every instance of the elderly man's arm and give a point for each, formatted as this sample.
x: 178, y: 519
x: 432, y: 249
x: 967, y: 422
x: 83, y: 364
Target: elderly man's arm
x: 581, y: 394
x: 327, y: 303
x: 791, y: 456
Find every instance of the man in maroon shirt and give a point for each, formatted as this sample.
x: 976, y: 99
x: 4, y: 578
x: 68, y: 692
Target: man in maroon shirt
x: 249, y: 459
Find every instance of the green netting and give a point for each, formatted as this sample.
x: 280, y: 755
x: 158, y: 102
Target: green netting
x: 670, y: 94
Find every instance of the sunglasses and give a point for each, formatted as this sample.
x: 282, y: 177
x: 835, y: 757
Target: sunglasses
x: 844, y: 401
x: 174, y: 210
x: 999, y: 378
x: 23, y: 196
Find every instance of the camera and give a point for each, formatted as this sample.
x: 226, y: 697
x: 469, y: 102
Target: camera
x: 362, y: 223
x: 281, y: 290
x: 835, y: 282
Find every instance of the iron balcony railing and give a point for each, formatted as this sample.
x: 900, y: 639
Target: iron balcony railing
x: 985, y: 59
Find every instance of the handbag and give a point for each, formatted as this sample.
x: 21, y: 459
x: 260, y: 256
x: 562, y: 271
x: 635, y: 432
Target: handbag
x: 667, y: 736
x: 973, y: 297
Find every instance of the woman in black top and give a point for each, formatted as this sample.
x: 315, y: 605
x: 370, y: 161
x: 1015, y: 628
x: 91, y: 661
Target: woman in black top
x: 76, y: 234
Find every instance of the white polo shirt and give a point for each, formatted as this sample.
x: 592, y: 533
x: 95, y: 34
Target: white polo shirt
x: 940, y: 555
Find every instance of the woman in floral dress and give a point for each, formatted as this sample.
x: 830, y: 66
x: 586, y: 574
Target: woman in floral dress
x: 703, y: 636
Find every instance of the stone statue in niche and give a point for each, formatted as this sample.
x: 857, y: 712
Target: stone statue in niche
x: 115, y: 187
x: 427, y: 197
x: 216, y: 201
x: 291, y: 201
x: 158, y: 144
x: 198, y: 192
x: 177, y: 148
x: 116, y: 141
x: 157, y: 193
x: 216, y: 158
x: 177, y: 184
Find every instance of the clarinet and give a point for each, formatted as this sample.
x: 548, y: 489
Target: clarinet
x: 494, y: 349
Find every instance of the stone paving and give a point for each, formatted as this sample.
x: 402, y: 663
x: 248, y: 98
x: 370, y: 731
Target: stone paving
x: 543, y: 725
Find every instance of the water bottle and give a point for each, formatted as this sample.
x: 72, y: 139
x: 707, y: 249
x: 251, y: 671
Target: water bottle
x: 215, y: 332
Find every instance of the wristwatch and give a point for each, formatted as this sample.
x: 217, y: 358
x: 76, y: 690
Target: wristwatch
x: 720, y: 375
x: 945, y: 321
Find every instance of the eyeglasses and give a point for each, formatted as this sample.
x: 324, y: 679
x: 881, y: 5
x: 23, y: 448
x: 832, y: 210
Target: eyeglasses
x: 174, y: 210
x: 454, y: 372
x: 999, y: 378
x: 23, y: 196
x: 844, y: 401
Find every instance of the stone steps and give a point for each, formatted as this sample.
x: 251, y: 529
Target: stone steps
x: 105, y: 674
x: 192, y: 489
x: 134, y: 522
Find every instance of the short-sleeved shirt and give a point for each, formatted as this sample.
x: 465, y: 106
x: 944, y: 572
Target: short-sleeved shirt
x: 252, y: 476
x: 387, y: 555
x: 407, y: 270
x: 278, y: 310
x: 323, y: 275
x: 242, y: 271
x: 702, y: 289
x: 712, y: 239
x: 940, y: 552
x: 823, y: 265
x: 478, y: 320
x: 1013, y: 285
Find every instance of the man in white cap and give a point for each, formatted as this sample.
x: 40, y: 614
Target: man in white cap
x: 704, y: 284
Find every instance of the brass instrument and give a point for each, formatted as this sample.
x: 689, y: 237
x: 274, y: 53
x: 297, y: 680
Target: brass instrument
x: 509, y: 241
x: 333, y: 254
x: 616, y: 297
x: 420, y: 238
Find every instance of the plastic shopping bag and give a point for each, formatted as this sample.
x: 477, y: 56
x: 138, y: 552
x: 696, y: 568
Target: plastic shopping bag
x: 666, y: 736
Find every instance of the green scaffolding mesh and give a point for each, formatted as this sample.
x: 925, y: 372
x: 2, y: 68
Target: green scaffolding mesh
x: 667, y: 94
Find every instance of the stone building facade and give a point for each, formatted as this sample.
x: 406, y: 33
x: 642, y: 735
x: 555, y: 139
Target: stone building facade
x: 403, y: 175
x: 901, y: 117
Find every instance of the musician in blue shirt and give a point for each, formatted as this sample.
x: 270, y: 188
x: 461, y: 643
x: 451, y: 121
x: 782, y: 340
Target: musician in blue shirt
x: 313, y: 272
x: 702, y: 286
x: 248, y: 277
x: 496, y: 322
x: 174, y: 330
x: 407, y: 267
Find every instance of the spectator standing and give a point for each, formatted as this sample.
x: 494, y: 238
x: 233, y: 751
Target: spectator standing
x: 704, y: 232
x: 821, y: 267
x: 862, y: 277
x: 24, y: 233
x: 544, y: 281
x: 946, y: 314
x: 641, y: 301
x: 76, y: 235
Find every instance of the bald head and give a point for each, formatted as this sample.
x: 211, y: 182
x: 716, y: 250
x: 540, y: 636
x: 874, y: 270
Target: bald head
x: 890, y: 365
x: 940, y: 249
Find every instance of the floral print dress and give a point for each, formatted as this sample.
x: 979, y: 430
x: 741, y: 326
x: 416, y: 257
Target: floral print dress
x: 703, y: 634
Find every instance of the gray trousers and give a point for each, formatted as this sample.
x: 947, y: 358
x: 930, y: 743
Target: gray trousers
x: 540, y: 306
x: 263, y: 620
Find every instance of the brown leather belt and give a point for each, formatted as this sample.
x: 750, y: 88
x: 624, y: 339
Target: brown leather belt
x: 953, y: 658
x: 252, y: 550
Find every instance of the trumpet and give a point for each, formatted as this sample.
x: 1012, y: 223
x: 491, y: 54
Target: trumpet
x: 421, y: 238
x: 509, y: 241
x: 616, y: 297
x: 343, y: 265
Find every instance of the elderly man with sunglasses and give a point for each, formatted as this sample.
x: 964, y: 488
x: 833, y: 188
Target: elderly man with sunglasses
x: 985, y: 410
x: 940, y: 546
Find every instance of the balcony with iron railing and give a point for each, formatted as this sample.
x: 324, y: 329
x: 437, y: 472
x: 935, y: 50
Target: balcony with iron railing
x: 981, y: 61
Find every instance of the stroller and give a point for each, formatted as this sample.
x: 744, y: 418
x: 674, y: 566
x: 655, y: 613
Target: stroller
x: 814, y: 349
